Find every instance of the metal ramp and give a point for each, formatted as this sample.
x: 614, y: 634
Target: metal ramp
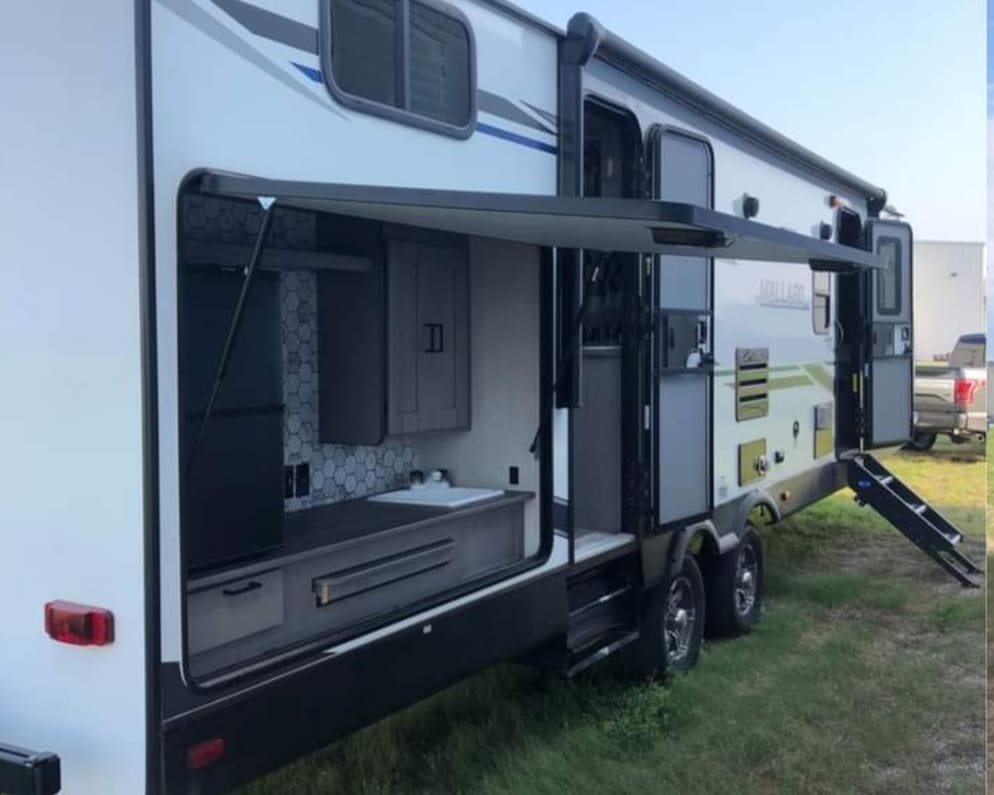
x: 924, y: 526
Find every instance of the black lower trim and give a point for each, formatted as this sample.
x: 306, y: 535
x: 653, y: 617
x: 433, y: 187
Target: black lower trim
x: 24, y: 772
x: 808, y: 488
x: 783, y: 497
x: 301, y: 711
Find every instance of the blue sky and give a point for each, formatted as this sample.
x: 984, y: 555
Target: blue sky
x: 892, y: 90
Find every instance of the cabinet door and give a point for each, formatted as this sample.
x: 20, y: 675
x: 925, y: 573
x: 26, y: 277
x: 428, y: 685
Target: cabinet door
x: 442, y: 328
x: 429, y: 338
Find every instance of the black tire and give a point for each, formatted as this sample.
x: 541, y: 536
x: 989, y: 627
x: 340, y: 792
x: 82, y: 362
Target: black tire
x: 922, y: 442
x: 651, y: 654
x: 735, y: 588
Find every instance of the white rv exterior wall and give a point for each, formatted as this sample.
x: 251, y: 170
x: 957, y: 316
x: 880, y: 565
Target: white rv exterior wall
x: 226, y: 98
x: 788, y: 199
x: 950, y: 294
x: 70, y: 415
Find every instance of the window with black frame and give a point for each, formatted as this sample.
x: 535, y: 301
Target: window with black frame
x: 408, y: 60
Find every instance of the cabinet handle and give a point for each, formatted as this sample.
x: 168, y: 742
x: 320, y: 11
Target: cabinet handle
x: 254, y: 585
x: 436, y: 337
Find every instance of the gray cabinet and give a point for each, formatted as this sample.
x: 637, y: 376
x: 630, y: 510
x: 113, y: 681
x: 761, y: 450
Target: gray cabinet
x: 427, y: 337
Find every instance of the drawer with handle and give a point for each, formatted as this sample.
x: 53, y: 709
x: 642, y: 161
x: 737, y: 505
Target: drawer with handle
x: 234, y: 610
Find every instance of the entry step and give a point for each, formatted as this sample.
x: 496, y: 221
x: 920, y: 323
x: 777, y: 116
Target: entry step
x: 900, y: 505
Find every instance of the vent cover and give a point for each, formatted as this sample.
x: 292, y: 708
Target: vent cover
x: 752, y: 383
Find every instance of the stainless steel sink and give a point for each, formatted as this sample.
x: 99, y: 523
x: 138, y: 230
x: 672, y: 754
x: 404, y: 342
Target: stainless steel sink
x: 441, y: 497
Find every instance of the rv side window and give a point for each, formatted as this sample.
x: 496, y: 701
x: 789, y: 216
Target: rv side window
x: 411, y: 61
x: 889, y: 276
x: 821, y: 301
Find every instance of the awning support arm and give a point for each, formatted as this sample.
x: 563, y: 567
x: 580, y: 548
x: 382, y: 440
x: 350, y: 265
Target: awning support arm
x: 265, y: 223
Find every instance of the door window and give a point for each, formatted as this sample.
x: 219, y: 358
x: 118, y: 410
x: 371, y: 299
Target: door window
x: 821, y: 301
x: 889, y: 276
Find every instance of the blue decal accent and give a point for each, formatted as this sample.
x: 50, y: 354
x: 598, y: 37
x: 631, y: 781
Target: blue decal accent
x: 863, y: 484
x: 314, y: 74
x: 507, y: 135
x: 496, y: 132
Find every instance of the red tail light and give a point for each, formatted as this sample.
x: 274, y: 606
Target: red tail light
x: 963, y: 391
x: 205, y: 754
x: 80, y: 625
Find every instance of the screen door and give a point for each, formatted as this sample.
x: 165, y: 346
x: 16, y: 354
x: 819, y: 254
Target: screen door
x: 889, y: 369
x: 682, y: 172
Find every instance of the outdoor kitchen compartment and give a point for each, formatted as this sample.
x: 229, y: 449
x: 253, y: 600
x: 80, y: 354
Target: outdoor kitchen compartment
x: 347, y: 564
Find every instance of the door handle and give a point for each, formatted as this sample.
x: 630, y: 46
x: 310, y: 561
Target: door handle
x: 253, y: 585
x: 702, y: 333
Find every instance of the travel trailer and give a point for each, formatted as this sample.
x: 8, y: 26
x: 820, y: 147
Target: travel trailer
x: 355, y: 346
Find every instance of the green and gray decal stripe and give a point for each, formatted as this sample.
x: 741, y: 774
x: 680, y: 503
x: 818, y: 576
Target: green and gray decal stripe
x: 813, y: 373
x: 783, y: 368
x: 820, y: 375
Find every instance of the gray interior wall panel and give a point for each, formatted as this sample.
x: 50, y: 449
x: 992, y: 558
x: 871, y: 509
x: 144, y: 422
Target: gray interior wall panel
x: 504, y: 379
x: 597, y: 443
x: 683, y: 423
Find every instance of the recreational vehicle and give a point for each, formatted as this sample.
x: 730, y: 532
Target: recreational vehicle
x: 355, y: 346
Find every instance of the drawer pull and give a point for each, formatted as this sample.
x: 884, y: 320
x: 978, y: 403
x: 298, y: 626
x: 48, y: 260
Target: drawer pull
x: 254, y: 585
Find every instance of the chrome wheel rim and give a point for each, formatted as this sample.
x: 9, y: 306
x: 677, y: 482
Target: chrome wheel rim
x: 746, y: 579
x: 681, y: 618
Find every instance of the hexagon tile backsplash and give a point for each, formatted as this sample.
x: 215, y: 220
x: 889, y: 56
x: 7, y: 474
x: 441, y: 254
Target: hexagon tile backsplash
x: 338, y: 472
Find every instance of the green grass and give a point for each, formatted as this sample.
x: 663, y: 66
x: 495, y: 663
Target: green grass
x: 866, y: 674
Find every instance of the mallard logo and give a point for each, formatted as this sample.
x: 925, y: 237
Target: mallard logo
x: 787, y: 295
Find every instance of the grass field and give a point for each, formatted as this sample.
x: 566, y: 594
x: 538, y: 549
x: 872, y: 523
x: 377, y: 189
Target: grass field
x: 865, y: 675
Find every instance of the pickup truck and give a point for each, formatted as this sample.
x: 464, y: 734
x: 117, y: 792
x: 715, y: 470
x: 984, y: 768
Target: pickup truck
x: 951, y: 397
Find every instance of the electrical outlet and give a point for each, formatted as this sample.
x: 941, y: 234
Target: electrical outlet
x: 303, y: 479
x: 513, y: 475
x: 288, y: 483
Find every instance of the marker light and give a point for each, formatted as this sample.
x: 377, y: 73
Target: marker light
x: 203, y: 755
x: 79, y: 625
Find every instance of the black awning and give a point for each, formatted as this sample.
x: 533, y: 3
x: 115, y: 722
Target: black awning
x: 634, y: 225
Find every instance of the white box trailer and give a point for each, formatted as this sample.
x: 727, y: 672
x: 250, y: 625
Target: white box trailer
x: 267, y: 263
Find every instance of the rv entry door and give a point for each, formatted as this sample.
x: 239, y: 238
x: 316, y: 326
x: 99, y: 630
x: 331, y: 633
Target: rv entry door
x: 889, y: 354
x: 682, y: 373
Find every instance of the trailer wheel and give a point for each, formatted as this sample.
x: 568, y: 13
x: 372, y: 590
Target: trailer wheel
x: 735, y: 588
x: 922, y: 442
x: 672, y: 624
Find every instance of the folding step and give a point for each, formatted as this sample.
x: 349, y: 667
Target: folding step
x: 924, y: 526
x: 605, y: 645
x: 600, y: 601
x: 602, y: 617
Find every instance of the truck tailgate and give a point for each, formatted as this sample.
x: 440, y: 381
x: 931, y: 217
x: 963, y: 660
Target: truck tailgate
x: 934, y: 388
